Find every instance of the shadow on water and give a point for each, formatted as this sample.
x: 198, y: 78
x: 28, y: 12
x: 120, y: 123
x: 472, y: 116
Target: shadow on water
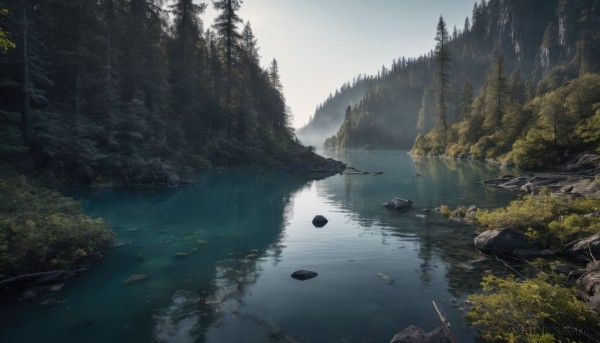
x: 196, y: 248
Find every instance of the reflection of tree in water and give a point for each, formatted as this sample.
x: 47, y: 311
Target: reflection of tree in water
x: 440, y: 181
x: 257, y: 206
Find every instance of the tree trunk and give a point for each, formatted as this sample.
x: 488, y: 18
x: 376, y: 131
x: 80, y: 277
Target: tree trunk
x: 26, y: 97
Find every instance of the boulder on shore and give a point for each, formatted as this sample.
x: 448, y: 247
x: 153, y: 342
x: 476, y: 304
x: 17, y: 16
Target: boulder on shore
x: 304, y: 274
x: 414, y: 334
x: 319, y: 221
x: 585, y: 246
x: 589, y: 285
x: 398, y: 204
x: 504, y: 240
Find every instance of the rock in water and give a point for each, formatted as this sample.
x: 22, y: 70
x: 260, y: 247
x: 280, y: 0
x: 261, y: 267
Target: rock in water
x: 501, y: 240
x: 319, y: 221
x: 398, y: 204
x: 304, y: 274
x: 386, y: 278
x: 414, y: 334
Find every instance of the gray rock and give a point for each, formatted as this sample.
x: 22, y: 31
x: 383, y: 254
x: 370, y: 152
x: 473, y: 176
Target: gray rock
x: 51, y: 302
x: 28, y: 294
x: 585, y: 246
x: 501, y: 240
x: 304, y: 274
x: 561, y: 269
x: 319, y: 221
x: 547, y: 252
x: 414, y: 334
x: 56, y: 288
x: 398, y: 204
x: 577, y: 273
x: 589, y: 285
x: 592, y: 215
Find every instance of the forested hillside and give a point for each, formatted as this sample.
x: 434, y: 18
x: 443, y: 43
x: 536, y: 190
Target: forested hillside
x: 529, y: 47
x: 135, y: 91
x: 329, y: 115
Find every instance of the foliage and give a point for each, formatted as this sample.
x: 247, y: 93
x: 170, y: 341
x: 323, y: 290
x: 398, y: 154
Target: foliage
x: 529, y: 311
x: 41, y: 230
x: 102, y: 90
x: 509, y: 52
x: 545, y: 218
x: 5, y: 42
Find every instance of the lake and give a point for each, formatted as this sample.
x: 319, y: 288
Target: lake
x: 218, y: 257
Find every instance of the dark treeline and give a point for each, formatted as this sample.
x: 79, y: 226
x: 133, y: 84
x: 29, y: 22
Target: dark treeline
x: 135, y: 91
x: 541, y: 45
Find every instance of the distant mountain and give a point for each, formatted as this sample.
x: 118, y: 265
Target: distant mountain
x: 533, y: 37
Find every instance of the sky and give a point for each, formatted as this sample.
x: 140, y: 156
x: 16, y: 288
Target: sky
x: 321, y: 44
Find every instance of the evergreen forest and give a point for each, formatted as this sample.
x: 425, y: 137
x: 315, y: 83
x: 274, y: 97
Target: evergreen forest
x: 517, y: 83
x: 134, y: 92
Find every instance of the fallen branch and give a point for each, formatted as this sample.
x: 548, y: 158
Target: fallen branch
x: 445, y: 323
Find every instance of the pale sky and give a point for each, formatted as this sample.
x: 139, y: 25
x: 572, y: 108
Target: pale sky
x: 321, y: 44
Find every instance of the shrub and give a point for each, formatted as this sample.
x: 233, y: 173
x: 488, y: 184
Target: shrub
x: 529, y: 311
x: 42, y: 230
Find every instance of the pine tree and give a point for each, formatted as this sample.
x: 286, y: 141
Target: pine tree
x: 466, y: 100
x: 496, y: 96
x: 226, y: 25
x: 424, y: 118
x: 442, y: 76
x: 187, y: 70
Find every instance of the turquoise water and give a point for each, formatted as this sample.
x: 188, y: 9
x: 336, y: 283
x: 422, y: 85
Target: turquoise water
x: 218, y: 257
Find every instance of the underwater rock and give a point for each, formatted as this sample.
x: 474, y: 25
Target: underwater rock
x: 184, y: 254
x: 414, y: 334
x: 133, y: 278
x: 386, y: 279
x: 304, y: 274
x: 319, y: 221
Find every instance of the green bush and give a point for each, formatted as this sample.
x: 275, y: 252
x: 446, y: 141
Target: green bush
x: 529, y: 311
x: 43, y: 230
x: 544, y: 218
x: 572, y: 227
x: 528, y: 212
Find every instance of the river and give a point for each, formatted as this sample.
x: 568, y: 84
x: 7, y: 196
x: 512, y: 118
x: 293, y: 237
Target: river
x: 218, y: 257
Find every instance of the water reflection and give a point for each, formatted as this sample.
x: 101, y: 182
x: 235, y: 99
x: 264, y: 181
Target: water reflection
x: 218, y: 258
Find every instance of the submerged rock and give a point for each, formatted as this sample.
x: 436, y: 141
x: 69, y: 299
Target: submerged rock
x: 319, y: 221
x: 414, y: 334
x: 133, y: 278
x: 398, y: 204
x: 385, y: 278
x: 304, y: 274
x: 501, y: 240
